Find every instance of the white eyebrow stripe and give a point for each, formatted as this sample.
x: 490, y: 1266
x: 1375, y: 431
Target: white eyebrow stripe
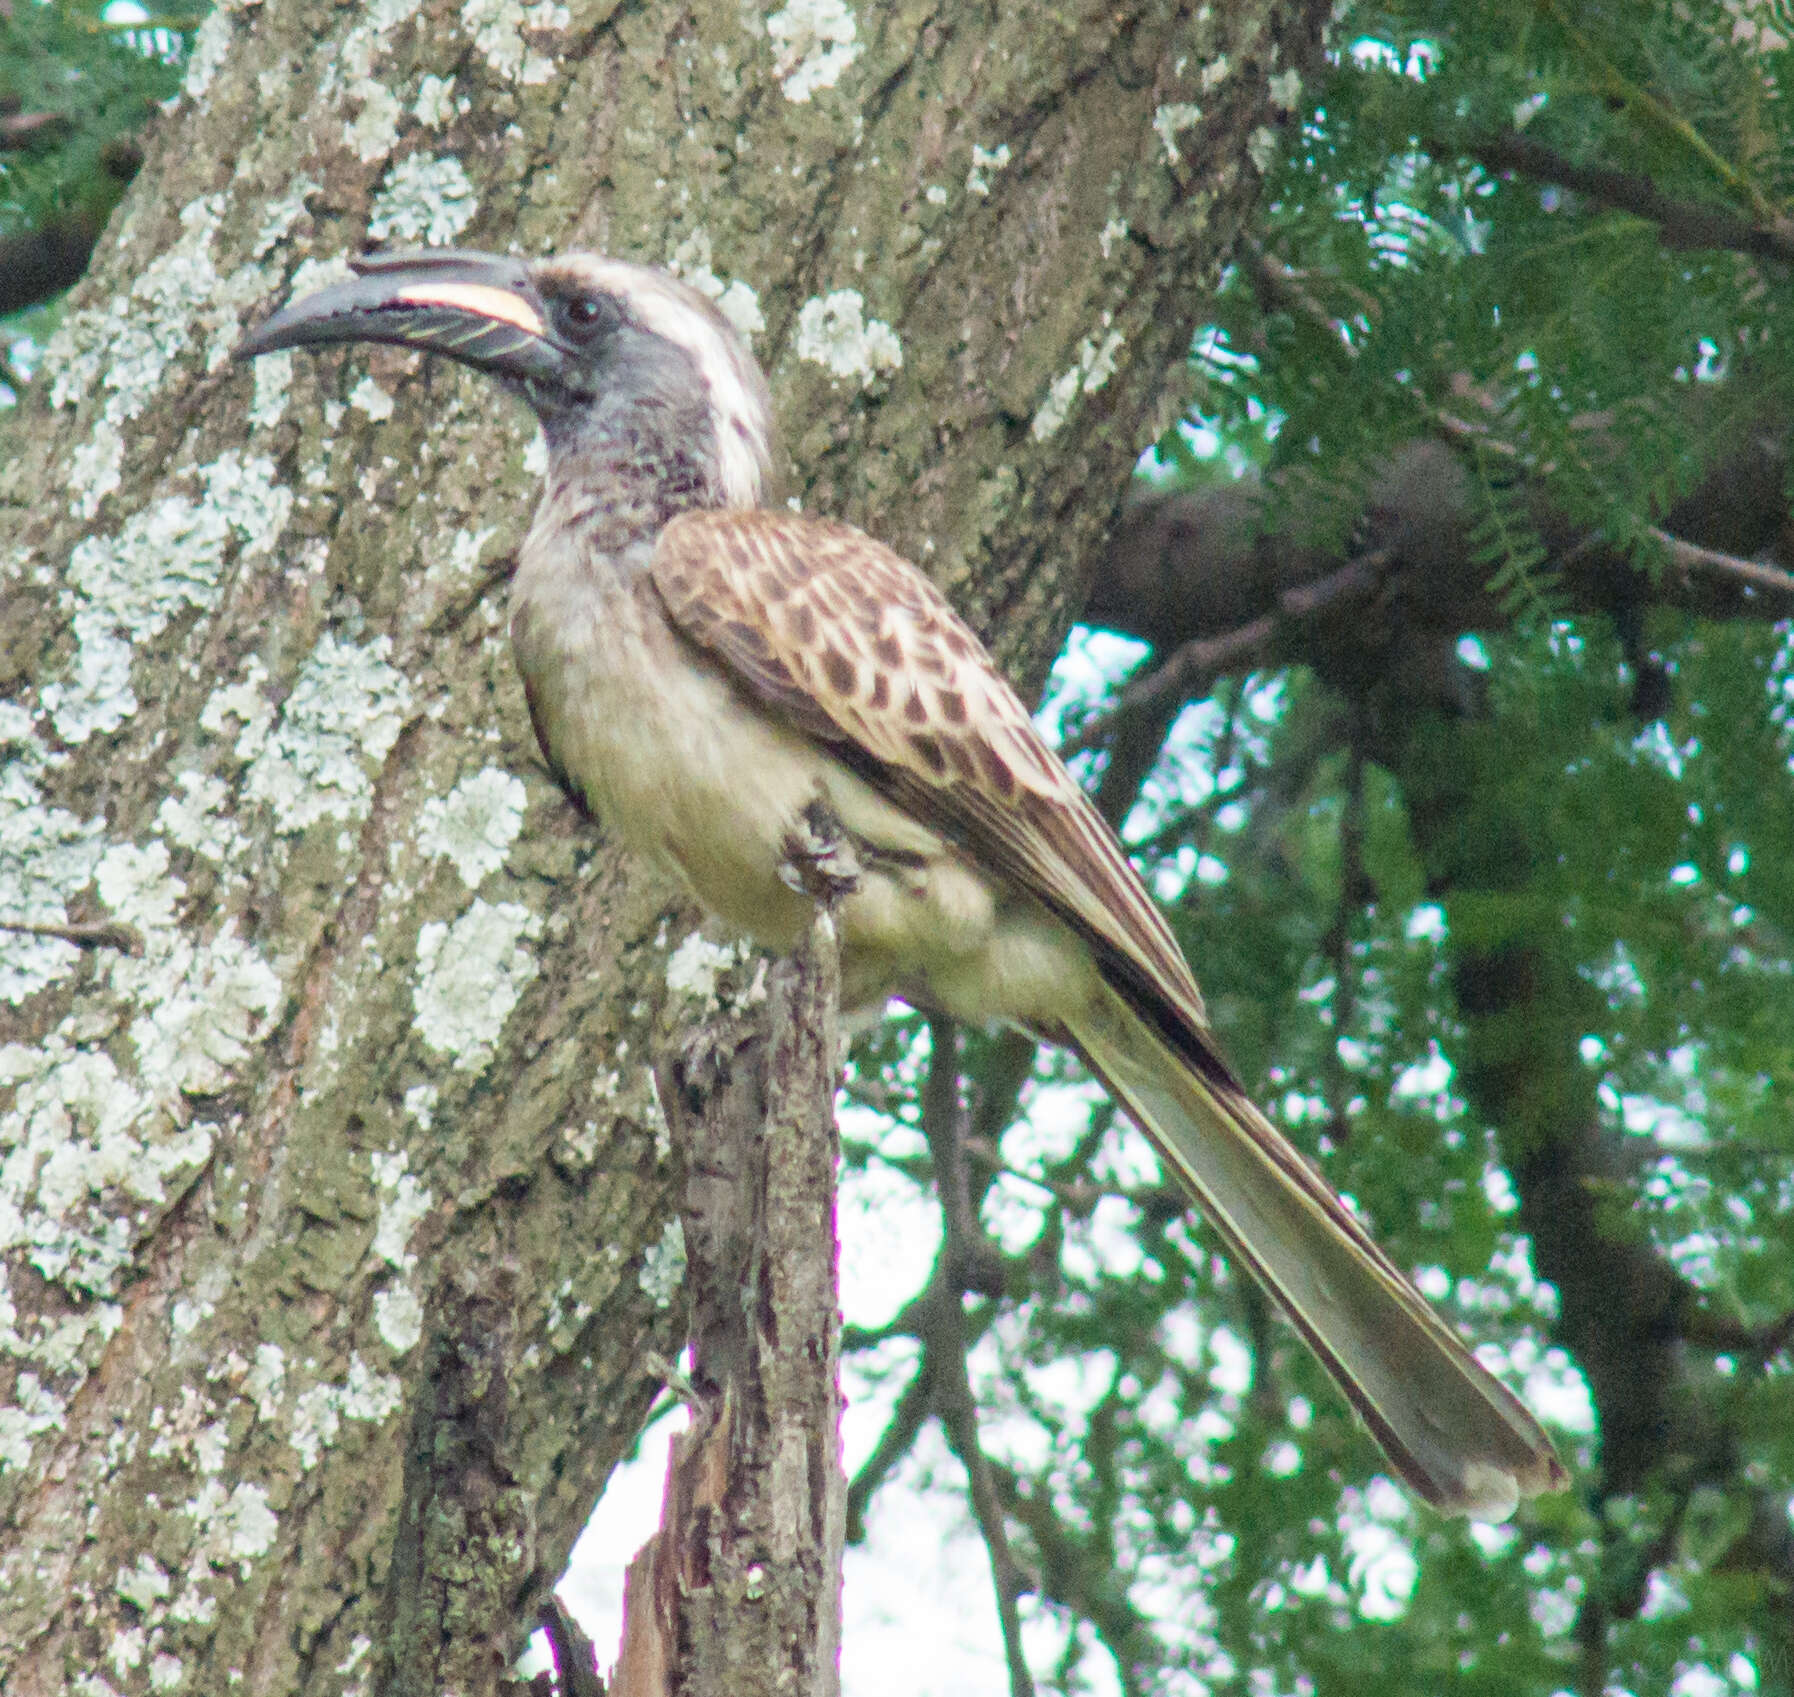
x: 738, y: 406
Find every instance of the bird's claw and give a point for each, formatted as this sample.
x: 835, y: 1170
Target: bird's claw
x: 818, y: 859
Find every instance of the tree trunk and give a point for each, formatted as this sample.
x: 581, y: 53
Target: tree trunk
x: 334, y: 1194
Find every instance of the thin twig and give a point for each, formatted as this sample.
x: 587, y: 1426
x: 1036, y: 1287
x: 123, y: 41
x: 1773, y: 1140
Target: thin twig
x: 1337, y: 944
x: 914, y: 1406
x: 1680, y: 223
x: 1093, y: 1589
x: 1194, y: 663
x: 1225, y: 749
x: 969, y: 1261
x: 1712, y: 226
x: 1691, y: 556
x: 1478, y: 435
x: 1195, y: 660
x: 1655, y: 110
x: 1079, y: 1195
x: 1277, y: 278
x: 20, y: 130
x: 959, y: 1415
x: 108, y: 934
x: 1195, y: 816
x: 1701, y: 226
x: 874, y: 1093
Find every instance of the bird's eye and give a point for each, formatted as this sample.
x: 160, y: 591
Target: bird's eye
x: 582, y: 317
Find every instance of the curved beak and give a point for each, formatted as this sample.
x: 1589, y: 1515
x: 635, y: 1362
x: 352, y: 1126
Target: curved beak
x: 479, y: 308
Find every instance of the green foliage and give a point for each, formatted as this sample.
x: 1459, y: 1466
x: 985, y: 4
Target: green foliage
x: 77, y: 82
x: 100, y: 80
x: 1505, y: 543
x: 1432, y: 290
x: 1210, y: 1517
x: 1181, y: 1477
x: 1195, y: 1507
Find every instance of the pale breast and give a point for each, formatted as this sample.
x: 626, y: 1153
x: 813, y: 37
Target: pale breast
x: 692, y: 775
x: 654, y: 743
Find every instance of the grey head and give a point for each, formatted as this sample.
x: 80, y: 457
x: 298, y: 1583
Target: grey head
x: 625, y: 366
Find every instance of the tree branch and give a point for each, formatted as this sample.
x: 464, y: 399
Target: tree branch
x: 739, y: 1593
x: 901, y: 1431
x: 1195, y: 664
x: 575, y: 1660
x: 1203, y: 577
x: 959, y: 1415
x: 973, y: 1262
x: 969, y: 1261
x: 20, y: 131
x: 1680, y: 223
x: 105, y: 934
x: 1692, y: 557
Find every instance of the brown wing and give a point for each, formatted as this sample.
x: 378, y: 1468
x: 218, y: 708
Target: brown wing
x: 846, y: 639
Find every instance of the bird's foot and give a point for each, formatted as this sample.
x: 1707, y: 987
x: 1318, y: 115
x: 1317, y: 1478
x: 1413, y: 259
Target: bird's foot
x: 818, y: 859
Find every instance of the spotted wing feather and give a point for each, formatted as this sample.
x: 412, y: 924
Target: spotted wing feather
x: 847, y: 640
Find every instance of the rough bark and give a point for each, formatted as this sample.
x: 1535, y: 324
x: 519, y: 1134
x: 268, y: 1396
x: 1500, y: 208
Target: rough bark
x: 739, y: 1593
x: 333, y: 1192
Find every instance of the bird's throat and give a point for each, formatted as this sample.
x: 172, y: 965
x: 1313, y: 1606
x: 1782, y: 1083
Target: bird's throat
x: 623, y: 475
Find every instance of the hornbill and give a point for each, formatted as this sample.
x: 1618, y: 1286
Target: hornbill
x: 718, y: 681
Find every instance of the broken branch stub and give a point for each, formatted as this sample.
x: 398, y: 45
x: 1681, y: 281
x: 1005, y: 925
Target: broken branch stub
x: 739, y: 1592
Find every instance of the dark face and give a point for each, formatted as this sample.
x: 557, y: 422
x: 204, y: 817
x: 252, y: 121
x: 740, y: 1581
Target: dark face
x: 616, y: 360
x: 611, y: 367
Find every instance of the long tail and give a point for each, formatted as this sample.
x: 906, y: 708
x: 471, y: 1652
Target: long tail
x: 1456, y: 1435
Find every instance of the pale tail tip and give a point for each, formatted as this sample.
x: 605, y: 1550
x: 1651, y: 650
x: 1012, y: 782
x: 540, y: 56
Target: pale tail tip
x: 1491, y: 1493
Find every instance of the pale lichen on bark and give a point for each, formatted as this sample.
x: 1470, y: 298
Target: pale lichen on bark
x: 260, y: 725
